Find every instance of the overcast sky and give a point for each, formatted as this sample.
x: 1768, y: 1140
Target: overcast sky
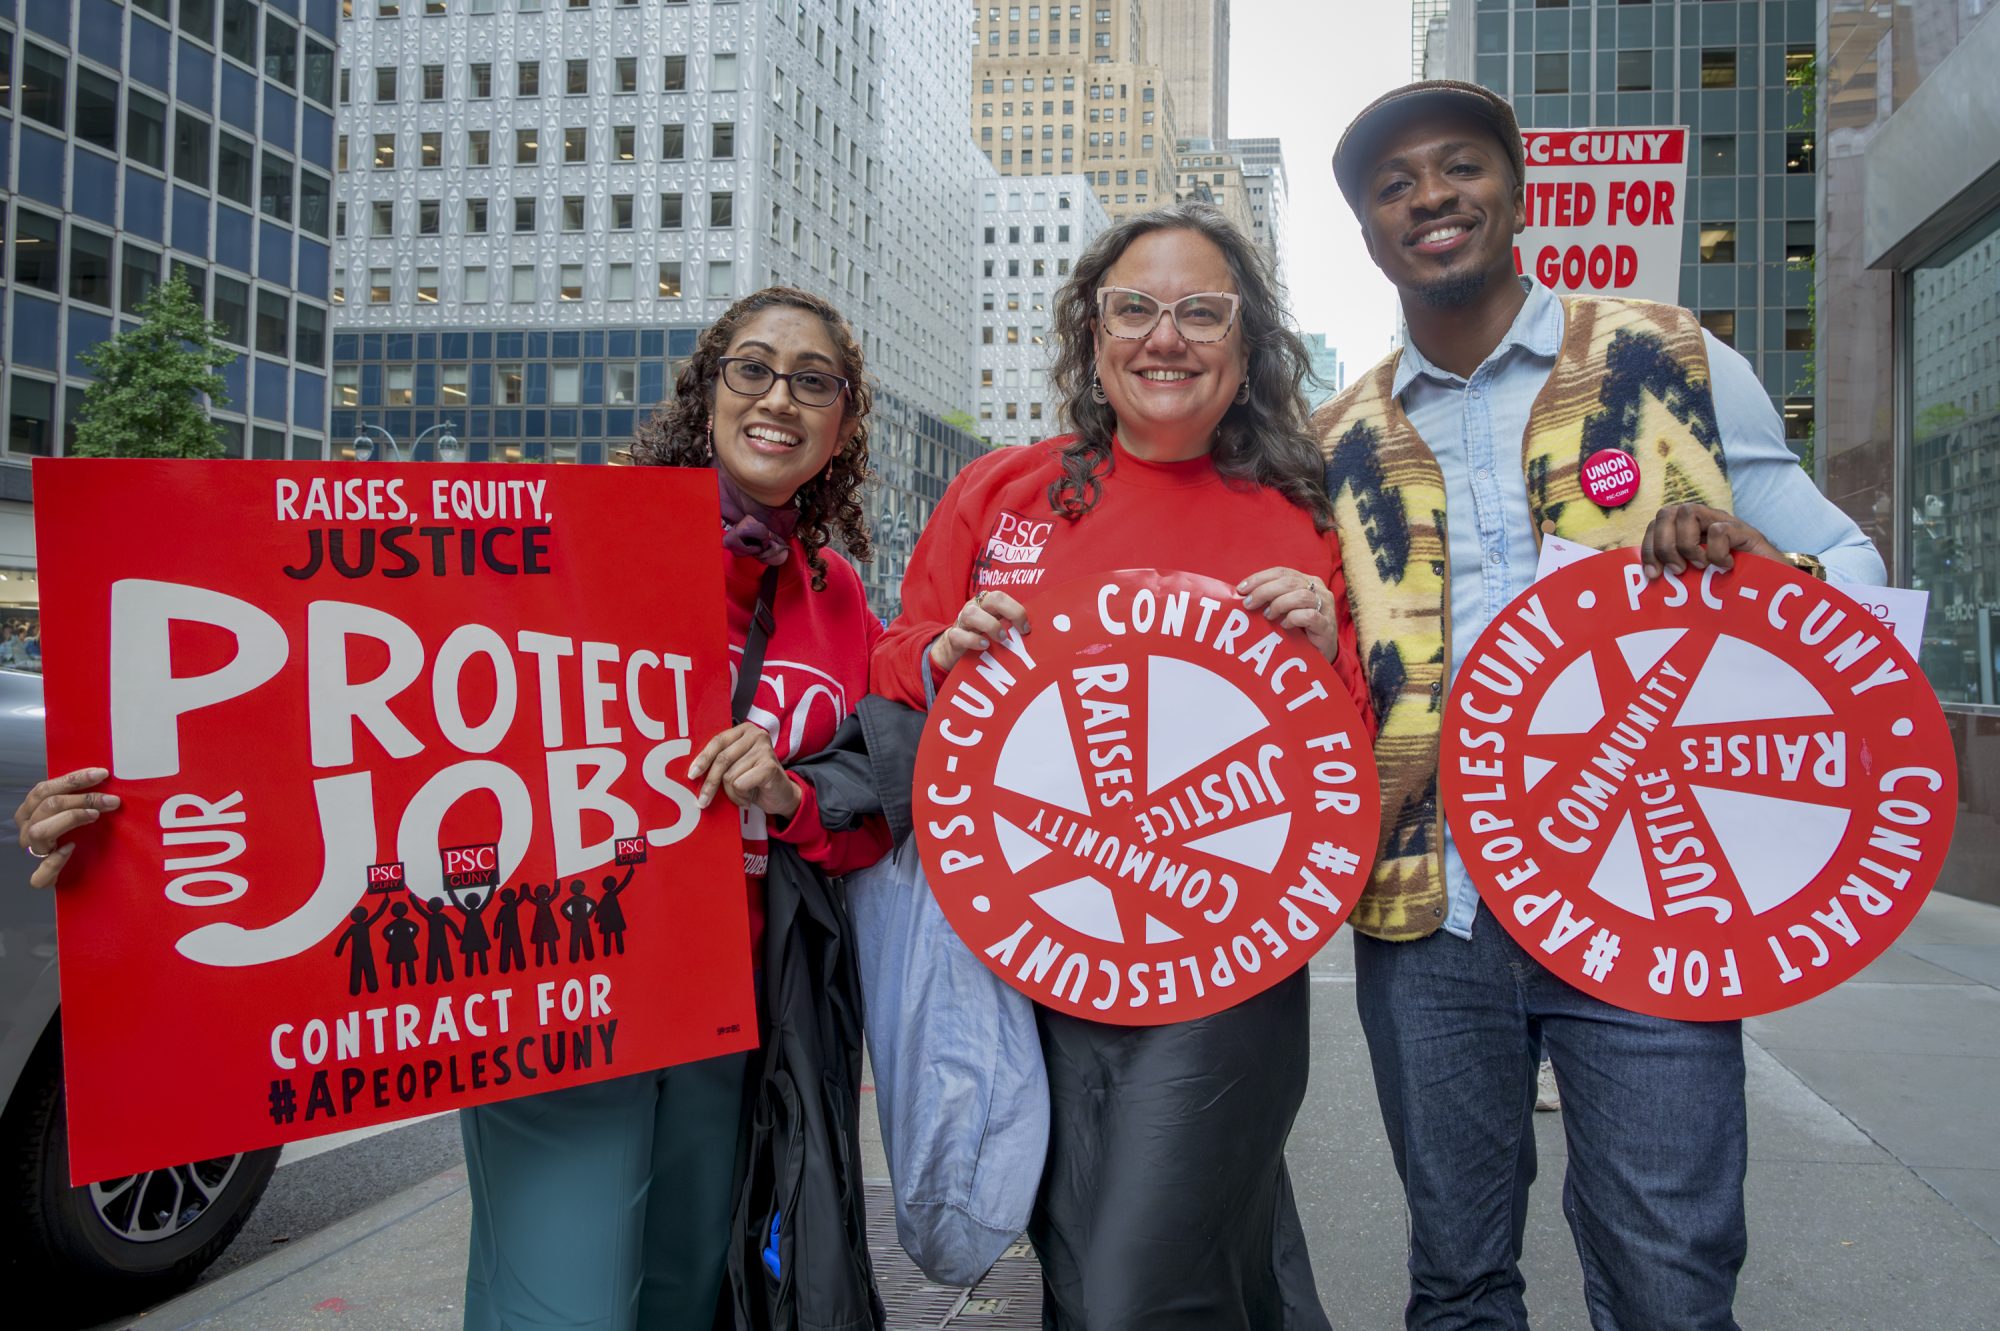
x: 1300, y: 69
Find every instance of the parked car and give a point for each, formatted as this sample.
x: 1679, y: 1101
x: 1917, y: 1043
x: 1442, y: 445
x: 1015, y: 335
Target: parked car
x: 111, y: 1247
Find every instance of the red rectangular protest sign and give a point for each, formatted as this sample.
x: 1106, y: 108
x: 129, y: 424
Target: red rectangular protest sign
x: 401, y: 750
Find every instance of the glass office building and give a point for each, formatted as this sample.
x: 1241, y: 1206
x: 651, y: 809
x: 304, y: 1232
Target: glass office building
x: 1728, y: 71
x: 140, y: 139
x: 540, y: 204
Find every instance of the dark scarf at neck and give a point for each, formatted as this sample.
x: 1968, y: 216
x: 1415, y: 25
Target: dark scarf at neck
x: 750, y: 528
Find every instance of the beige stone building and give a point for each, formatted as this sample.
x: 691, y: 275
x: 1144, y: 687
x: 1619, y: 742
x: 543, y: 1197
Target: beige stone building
x: 1064, y: 90
x: 1189, y: 41
x: 1213, y: 173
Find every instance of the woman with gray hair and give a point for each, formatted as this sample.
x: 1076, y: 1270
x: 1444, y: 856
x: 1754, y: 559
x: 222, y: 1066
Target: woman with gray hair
x: 1164, y: 1202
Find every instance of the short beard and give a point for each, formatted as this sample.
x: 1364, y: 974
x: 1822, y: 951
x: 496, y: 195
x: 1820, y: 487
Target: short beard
x: 1453, y: 291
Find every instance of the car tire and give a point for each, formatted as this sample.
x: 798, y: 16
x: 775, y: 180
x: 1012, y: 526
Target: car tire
x: 62, y: 1238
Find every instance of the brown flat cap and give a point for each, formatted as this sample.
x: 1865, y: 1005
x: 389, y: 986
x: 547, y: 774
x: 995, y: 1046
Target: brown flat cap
x: 1355, y: 155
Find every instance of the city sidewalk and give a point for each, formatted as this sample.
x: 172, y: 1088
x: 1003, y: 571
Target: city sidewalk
x: 1874, y: 1189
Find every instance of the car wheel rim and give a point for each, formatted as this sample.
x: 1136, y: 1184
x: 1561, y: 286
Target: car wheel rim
x: 160, y: 1203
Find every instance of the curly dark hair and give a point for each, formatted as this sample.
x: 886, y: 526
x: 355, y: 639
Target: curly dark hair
x: 1265, y: 441
x: 676, y: 435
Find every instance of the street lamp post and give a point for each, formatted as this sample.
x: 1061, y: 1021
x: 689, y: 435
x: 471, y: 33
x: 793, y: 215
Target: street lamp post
x: 448, y: 447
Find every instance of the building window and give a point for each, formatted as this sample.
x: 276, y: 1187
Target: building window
x: 524, y: 214
x: 1800, y: 245
x: 575, y: 143
x: 722, y: 73
x: 191, y: 139
x: 521, y: 284
x: 433, y: 83
x: 481, y: 81
x: 430, y: 148
x: 1950, y: 372
x: 625, y: 74
x: 674, y: 74
x: 572, y: 281
x: 625, y: 143
x: 239, y: 30
x: 621, y: 385
x: 385, y: 83
x: 401, y: 383
x: 473, y: 290
x: 722, y: 142
x: 1635, y: 71
x: 1722, y: 323
x: 621, y: 212
x: 670, y: 281
x: 276, y: 195
x: 89, y: 266
x: 673, y: 143
x: 145, y: 130
x: 572, y: 212
x: 565, y: 384
x: 427, y: 216
x: 1718, y: 69
x: 619, y: 284
x: 475, y: 217
x: 528, y: 78
x: 670, y: 212
x: 722, y: 209
x: 478, y: 147
x: 527, y: 147
x: 378, y: 286
x: 382, y: 213
x: 427, y: 286
x: 347, y: 385
x: 1718, y: 242
x: 576, y: 78
x: 1718, y: 154
x: 272, y: 322
x: 232, y: 307
x: 1798, y: 330
x: 1552, y: 71
x: 385, y: 152
x: 721, y: 279
x: 1799, y: 154
x: 281, y: 51
x: 96, y: 106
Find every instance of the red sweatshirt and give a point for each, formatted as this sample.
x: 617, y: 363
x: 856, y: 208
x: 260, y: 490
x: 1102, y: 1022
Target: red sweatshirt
x: 815, y: 671
x: 994, y: 531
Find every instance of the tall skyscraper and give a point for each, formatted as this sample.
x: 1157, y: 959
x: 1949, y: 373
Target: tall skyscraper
x: 1072, y: 92
x: 1724, y: 71
x: 540, y: 209
x: 1030, y: 235
x: 153, y: 137
x: 1189, y: 41
x: 1269, y: 194
x: 1211, y: 172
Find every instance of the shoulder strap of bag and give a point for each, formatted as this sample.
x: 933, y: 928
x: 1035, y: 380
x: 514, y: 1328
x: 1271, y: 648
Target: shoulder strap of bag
x: 762, y: 624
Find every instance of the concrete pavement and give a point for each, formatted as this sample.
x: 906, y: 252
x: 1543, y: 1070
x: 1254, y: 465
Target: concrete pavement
x: 1874, y: 1184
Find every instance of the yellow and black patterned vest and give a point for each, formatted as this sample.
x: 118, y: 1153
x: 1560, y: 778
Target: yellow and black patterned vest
x: 1631, y: 375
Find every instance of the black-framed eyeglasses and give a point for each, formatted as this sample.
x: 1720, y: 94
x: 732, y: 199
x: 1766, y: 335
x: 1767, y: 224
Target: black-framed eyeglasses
x: 809, y: 388
x: 1205, y: 316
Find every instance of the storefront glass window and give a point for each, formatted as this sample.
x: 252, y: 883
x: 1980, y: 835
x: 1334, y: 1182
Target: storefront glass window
x: 1953, y: 371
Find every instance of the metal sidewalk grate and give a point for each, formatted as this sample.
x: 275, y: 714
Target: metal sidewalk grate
x: 1008, y: 1298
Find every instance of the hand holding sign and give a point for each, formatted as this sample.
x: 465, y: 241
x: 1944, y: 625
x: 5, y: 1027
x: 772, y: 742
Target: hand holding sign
x: 54, y: 809
x: 1694, y: 536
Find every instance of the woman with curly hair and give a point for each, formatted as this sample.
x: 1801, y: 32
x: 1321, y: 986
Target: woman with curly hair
x: 608, y: 1206
x: 1164, y: 1202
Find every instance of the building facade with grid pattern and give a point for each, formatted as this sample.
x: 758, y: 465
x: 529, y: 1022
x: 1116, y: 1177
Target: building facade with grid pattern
x: 158, y: 136
x: 1030, y: 235
x: 1725, y: 70
x: 542, y: 202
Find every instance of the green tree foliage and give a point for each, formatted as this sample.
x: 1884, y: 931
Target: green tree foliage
x: 146, y: 402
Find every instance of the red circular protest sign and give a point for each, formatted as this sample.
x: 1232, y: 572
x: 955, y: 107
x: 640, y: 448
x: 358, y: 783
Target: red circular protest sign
x: 1152, y: 806
x: 1704, y: 797
x: 1610, y: 477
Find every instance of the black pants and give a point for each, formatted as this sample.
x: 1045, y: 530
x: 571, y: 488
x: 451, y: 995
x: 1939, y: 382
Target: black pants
x: 1165, y: 1202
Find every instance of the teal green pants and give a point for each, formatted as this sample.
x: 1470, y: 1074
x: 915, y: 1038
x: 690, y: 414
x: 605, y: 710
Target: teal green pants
x: 604, y: 1207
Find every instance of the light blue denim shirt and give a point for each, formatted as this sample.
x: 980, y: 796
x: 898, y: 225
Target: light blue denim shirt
x: 1476, y: 426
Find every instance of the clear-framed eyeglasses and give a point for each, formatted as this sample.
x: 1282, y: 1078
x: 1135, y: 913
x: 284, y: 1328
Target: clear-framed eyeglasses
x: 1205, y: 316
x: 753, y: 378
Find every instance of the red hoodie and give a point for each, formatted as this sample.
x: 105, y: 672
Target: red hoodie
x: 815, y: 671
x: 995, y: 531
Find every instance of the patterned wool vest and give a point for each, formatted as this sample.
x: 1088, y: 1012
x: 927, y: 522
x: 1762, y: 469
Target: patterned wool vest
x: 1631, y: 375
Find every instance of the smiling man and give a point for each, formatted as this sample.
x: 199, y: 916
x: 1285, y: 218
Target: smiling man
x: 1511, y: 413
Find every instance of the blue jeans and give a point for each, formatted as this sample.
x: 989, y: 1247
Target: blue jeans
x: 1653, y: 1111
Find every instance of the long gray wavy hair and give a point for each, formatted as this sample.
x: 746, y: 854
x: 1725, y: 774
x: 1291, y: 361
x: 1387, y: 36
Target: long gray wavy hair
x: 1265, y: 441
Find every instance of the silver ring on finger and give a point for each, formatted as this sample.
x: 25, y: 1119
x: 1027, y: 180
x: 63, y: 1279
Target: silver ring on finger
x: 36, y: 854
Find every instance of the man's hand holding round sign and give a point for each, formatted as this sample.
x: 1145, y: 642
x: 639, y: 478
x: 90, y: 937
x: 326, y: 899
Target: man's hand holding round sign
x: 1150, y: 809
x: 1706, y: 796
